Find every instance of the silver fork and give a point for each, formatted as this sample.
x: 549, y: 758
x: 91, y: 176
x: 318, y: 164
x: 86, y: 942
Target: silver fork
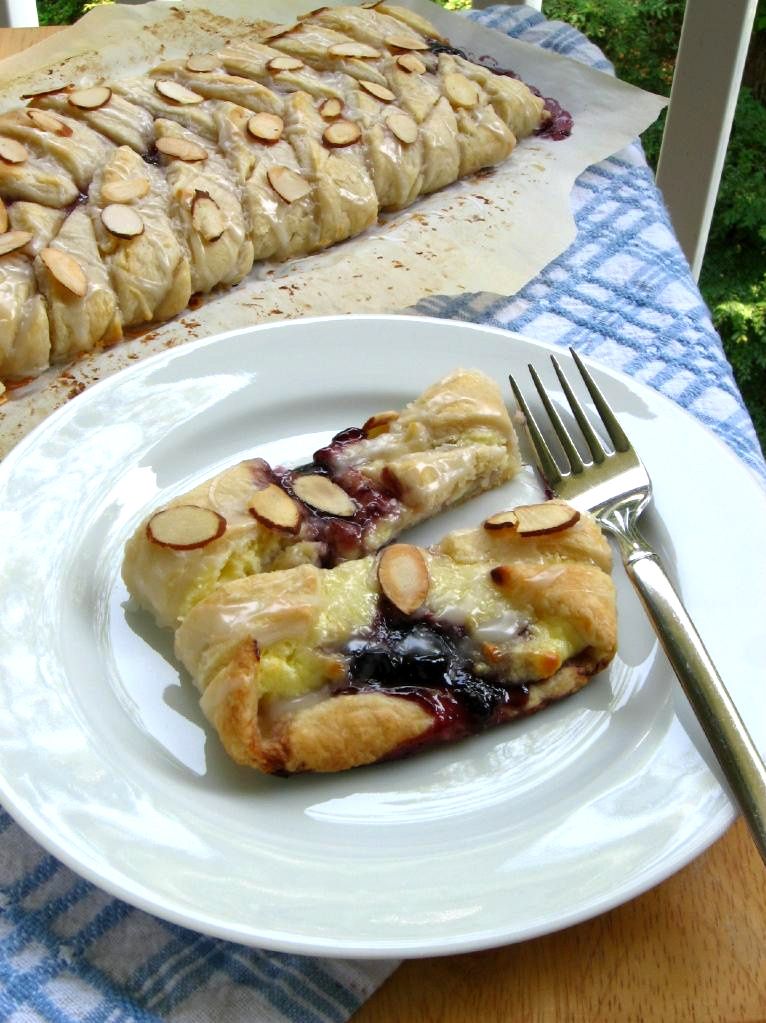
x: 616, y: 488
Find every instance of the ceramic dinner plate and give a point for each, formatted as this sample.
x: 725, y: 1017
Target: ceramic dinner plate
x: 105, y: 757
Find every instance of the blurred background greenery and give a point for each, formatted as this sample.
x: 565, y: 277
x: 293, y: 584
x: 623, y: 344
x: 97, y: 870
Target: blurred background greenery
x: 640, y: 37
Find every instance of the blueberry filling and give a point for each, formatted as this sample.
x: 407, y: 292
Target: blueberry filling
x: 342, y: 538
x: 432, y: 662
x: 560, y: 124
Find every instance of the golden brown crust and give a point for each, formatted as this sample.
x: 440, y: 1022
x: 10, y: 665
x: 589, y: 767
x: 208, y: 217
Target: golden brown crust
x: 568, y: 604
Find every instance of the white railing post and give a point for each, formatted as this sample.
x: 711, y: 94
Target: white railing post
x: 18, y: 14
x: 709, y: 66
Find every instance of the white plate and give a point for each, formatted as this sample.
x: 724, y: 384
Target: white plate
x: 104, y: 754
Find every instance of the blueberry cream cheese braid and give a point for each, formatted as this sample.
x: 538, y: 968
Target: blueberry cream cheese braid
x: 120, y: 200
x: 313, y: 669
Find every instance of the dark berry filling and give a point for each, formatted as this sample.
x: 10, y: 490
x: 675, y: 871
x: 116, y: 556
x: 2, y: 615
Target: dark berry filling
x: 343, y: 538
x: 560, y: 123
x: 434, y: 663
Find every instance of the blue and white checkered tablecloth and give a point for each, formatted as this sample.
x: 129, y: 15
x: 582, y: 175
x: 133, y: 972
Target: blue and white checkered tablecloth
x: 623, y: 294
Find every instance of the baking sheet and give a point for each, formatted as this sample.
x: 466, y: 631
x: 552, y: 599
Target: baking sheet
x: 492, y: 232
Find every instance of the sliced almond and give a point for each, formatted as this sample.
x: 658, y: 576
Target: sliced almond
x: 207, y: 218
x: 3, y: 217
x: 181, y: 149
x: 287, y: 183
x: 12, y: 240
x: 185, y: 527
x: 378, y: 91
x: 341, y: 133
x: 379, y: 423
x: 542, y: 519
x: 90, y: 99
x: 122, y: 220
x: 12, y: 151
x: 331, y: 108
x: 176, y: 92
x: 461, y: 91
x: 48, y: 122
x: 353, y: 49
x: 124, y: 191
x: 66, y: 270
x: 324, y: 495
x: 403, y: 126
x: 409, y: 62
x: 285, y: 63
x: 276, y: 509
x: 403, y: 576
x: 402, y: 42
x: 277, y: 31
x: 202, y: 62
x: 266, y: 127
x: 502, y: 520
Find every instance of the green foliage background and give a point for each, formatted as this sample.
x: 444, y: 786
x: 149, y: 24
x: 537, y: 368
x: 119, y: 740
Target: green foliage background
x: 641, y: 38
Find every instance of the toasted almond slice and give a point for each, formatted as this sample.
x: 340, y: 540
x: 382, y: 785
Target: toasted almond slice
x: 44, y: 92
x: 185, y: 527
x: 66, y: 270
x: 331, y: 108
x: 379, y: 423
x: 90, y: 99
x: 353, y: 49
x: 276, y: 509
x: 403, y: 126
x: 207, y: 218
x: 402, y: 42
x: 324, y: 495
x: 12, y: 240
x: 124, y: 191
x: 311, y: 14
x: 266, y: 127
x: 3, y: 217
x: 341, y: 133
x: 285, y: 63
x: 541, y: 519
x: 122, y: 220
x: 461, y: 91
x: 181, y: 149
x: 46, y: 121
x: 502, y: 520
x: 230, y: 493
x: 378, y: 91
x: 176, y: 92
x: 403, y: 576
x: 277, y: 31
x: 202, y: 62
x: 287, y: 183
x: 12, y: 151
x: 409, y: 62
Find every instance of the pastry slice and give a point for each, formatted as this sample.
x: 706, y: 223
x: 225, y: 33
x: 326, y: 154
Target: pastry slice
x: 277, y: 197
x: 82, y: 306
x: 103, y: 110
x: 453, y: 442
x: 249, y: 58
x: 332, y: 155
x: 148, y: 267
x: 188, y: 109
x: 205, y: 207
x: 27, y: 176
x: 74, y: 146
x: 325, y: 669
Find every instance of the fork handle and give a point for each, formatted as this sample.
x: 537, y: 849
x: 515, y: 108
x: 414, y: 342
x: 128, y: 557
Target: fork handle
x: 731, y: 743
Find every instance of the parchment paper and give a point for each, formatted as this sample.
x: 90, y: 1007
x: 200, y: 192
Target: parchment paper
x: 492, y: 232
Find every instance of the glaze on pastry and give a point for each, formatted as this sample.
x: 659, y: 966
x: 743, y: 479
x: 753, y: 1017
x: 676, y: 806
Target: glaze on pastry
x: 313, y: 669
x: 282, y: 143
x: 455, y: 441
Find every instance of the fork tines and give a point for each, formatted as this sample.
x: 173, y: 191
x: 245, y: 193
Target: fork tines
x: 548, y: 464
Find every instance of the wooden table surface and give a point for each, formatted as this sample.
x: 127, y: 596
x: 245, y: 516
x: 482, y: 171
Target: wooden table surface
x: 692, y: 949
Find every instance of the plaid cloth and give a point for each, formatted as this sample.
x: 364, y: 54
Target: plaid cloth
x: 624, y: 295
